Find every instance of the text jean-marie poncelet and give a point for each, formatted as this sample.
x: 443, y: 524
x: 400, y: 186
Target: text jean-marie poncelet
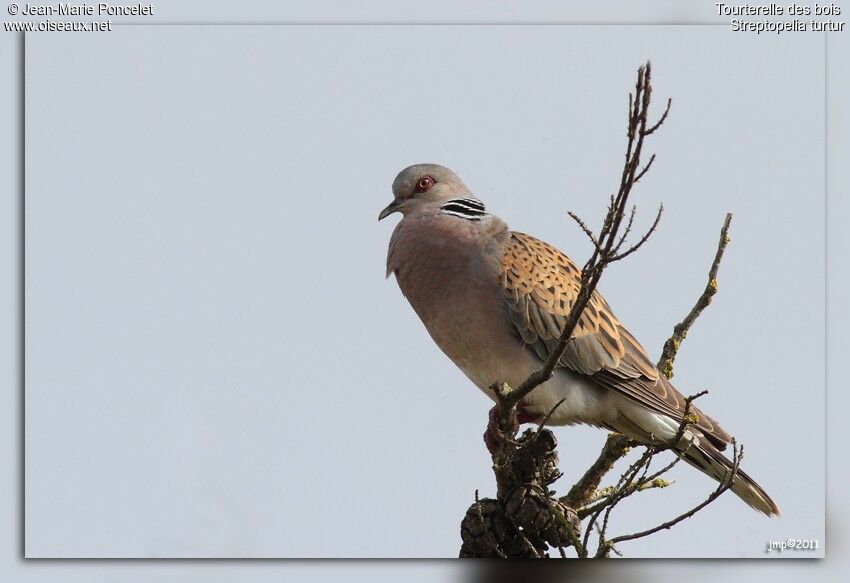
x: 99, y: 9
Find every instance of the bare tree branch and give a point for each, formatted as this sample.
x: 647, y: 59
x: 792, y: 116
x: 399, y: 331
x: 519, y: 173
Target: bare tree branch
x: 545, y: 420
x: 623, y: 490
x: 668, y: 355
x: 616, y: 446
x: 661, y: 120
x: 601, y: 498
x: 586, y: 230
x: 645, y: 168
x: 627, y: 230
x: 643, y: 239
x: 629, y: 482
x: 725, y: 484
x: 627, y: 485
x: 617, y: 493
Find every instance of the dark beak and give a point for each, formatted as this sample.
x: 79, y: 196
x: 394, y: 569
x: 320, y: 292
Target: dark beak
x: 391, y: 208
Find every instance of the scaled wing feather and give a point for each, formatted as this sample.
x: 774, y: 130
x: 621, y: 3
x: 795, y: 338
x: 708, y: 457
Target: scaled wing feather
x: 541, y: 285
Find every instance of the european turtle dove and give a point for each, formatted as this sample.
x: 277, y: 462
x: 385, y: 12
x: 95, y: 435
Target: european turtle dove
x: 495, y: 301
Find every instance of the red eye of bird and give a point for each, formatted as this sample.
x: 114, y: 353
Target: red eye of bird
x: 425, y: 183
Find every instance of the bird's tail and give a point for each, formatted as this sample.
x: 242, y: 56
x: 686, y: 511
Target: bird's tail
x: 708, y: 459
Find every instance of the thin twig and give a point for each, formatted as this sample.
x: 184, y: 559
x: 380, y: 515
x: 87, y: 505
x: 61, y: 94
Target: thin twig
x: 562, y: 552
x: 543, y: 423
x: 680, y: 330
x: 626, y: 489
x: 645, y: 168
x: 725, y: 484
x: 594, y: 505
x: 662, y: 119
x: 620, y: 492
x: 625, y: 479
x: 643, y: 239
x: 626, y: 485
x: 585, y: 228
x: 687, y: 419
x: 627, y: 230
x: 600, y: 499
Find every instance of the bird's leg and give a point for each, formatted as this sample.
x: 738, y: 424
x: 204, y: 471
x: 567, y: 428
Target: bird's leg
x: 495, y: 434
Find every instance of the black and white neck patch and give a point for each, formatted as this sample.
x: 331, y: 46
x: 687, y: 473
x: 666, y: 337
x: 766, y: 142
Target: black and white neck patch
x: 470, y: 209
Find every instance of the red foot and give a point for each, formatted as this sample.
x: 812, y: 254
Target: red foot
x: 493, y: 434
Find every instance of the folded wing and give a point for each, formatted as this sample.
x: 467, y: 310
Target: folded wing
x: 541, y: 284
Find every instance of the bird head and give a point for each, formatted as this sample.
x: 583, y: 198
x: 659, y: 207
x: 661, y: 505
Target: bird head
x: 422, y: 186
